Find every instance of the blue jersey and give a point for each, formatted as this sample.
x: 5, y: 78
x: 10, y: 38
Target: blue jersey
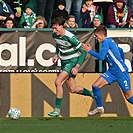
x: 112, y: 55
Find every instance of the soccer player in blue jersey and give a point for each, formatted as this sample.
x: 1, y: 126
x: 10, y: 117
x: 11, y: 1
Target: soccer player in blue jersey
x: 117, y: 70
x: 69, y: 50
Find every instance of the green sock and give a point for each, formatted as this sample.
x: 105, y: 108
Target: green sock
x: 87, y: 92
x: 58, y: 102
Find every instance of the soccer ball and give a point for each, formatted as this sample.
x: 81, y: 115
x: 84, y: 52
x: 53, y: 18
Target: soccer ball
x: 14, y: 113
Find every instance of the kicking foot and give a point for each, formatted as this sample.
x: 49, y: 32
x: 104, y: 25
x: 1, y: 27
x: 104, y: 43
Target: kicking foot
x: 55, y: 113
x: 96, y: 111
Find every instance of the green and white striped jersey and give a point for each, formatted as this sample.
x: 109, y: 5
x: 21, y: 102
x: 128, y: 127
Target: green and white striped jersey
x: 68, y: 47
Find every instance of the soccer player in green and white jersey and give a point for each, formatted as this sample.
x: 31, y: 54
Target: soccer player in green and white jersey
x: 71, y: 54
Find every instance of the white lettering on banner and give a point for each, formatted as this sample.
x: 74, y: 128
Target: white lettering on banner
x: 126, y: 47
x: 13, y: 49
x: 22, y: 51
x: 39, y: 52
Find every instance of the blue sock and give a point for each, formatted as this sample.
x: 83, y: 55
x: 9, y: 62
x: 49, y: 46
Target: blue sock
x: 97, y: 95
x: 130, y: 100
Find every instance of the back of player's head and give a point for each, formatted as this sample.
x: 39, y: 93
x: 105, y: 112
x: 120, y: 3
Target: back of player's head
x: 58, y: 20
x: 101, y: 29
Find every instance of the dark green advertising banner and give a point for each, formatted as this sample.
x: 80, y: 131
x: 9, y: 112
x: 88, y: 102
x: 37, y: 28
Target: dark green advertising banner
x: 32, y: 51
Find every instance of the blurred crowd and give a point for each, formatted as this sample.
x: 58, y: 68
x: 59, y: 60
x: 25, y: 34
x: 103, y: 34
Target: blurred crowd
x: 77, y: 13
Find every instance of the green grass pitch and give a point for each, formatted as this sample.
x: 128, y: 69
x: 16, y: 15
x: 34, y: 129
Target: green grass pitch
x: 68, y: 125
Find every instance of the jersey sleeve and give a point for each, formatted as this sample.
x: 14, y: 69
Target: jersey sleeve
x: 102, y: 53
x: 57, y: 49
x: 82, y: 57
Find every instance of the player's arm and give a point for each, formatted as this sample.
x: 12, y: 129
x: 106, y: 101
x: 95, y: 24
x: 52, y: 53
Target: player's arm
x: 78, y: 46
x: 82, y: 56
x: 100, y: 55
x: 80, y: 61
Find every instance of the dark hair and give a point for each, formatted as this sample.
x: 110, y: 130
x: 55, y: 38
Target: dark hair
x: 58, y: 20
x: 13, y: 21
x: 101, y: 29
x: 131, y: 16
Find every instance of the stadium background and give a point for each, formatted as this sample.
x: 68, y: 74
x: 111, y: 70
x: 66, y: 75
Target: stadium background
x: 34, y: 93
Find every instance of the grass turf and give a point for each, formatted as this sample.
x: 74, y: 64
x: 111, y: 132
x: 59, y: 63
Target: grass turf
x: 67, y: 125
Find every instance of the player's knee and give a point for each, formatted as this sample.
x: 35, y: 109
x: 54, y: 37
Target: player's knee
x: 57, y: 83
x: 127, y: 94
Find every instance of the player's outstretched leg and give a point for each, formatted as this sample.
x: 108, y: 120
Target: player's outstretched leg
x: 87, y: 93
x: 98, y: 98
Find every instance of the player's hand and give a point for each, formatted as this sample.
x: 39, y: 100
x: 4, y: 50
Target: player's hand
x: 54, y: 59
x: 87, y: 48
x: 75, y: 71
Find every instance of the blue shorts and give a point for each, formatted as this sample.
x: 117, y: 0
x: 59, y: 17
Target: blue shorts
x: 122, y: 78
